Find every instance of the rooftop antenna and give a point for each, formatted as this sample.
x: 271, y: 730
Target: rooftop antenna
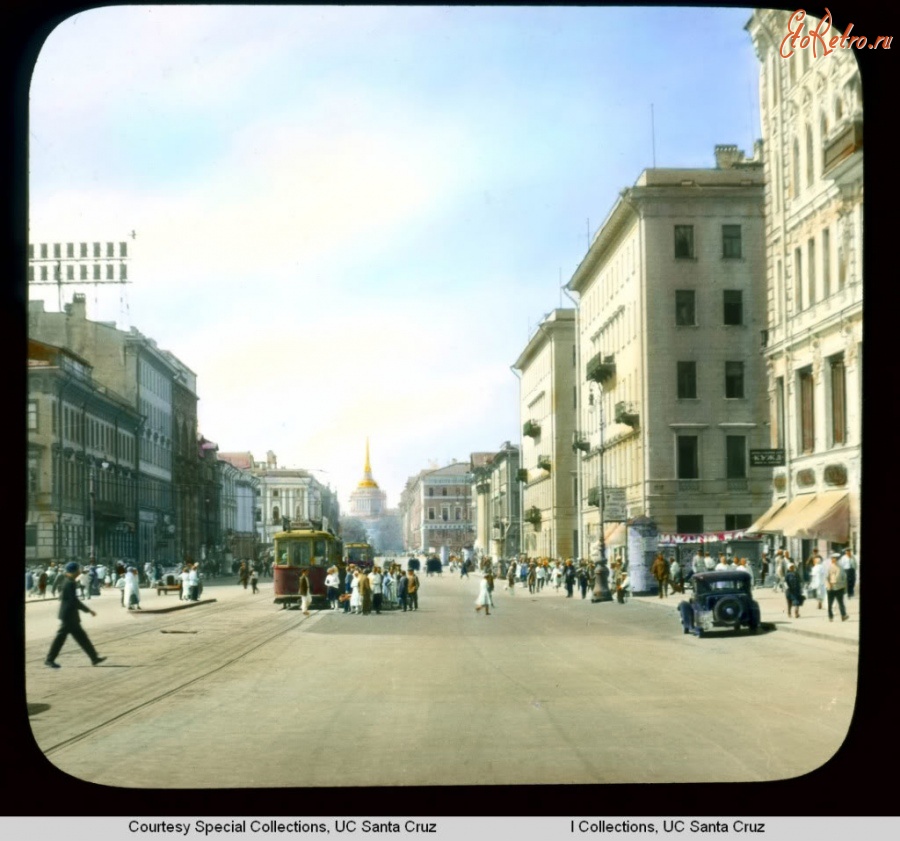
x: 653, y: 135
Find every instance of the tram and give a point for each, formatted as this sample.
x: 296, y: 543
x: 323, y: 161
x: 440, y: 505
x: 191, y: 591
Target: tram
x: 361, y: 555
x: 299, y: 549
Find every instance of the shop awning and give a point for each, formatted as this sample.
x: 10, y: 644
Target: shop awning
x: 783, y: 521
x: 759, y: 526
x: 827, y: 517
x: 614, y: 534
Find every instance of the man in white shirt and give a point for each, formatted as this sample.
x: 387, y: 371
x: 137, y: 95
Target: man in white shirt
x: 851, y: 570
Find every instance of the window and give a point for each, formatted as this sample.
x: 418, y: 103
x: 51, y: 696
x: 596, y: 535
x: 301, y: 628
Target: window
x: 688, y: 457
x: 731, y: 240
x: 96, y: 271
x: 32, y: 415
x: 443, y: 492
x: 798, y: 280
x: 795, y: 167
x: 826, y: 263
x: 778, y: 420
x: 687, y: 380
x: 811, y: 271
x: 430, y: 513
x: 431, y: 492
x: 110, y: 271
x: 735, y: 457
x: 809, y: 155
x: 57, y: 251
x: 838, y: 401
x: 276, y: 519
x: 97, y: 250
x: 736, y: 522
x: 689, y: 523
x: 807, y: 415
x: 82, y: 249
x: 734, y: 380
x: 458, y: 513
x: 83, y: 272
x: 684, y: 240
x: 445, y: 514
x: 685, y: 309
x: 110, y: 250
x: 733, y: 306
x: 275, y: 493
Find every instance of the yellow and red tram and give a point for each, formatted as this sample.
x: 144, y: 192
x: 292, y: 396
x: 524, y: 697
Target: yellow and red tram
x: 299, y: 549
x: 361, y: 555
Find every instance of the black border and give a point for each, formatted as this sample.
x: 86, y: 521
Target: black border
x: 852, y: 783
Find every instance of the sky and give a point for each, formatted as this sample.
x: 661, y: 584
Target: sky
x: 350, y: 220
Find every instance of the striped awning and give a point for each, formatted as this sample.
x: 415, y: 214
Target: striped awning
x: 783, y: 522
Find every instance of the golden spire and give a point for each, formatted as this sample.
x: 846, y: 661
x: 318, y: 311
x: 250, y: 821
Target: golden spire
x: 367, y: 480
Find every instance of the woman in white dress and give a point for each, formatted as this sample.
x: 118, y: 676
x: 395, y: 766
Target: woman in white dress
x: 132, y: 591
x: 355, y: 597
x: 484, y: 599
x: 816, y: 587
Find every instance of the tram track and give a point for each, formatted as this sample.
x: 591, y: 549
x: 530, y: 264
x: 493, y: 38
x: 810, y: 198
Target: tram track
x: 130, y: 690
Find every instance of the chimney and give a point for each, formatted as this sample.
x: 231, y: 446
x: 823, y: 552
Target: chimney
x: 78, y: 307
x: 727, y: 156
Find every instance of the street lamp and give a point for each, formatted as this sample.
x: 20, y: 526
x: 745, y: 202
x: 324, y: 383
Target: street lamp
x: 91, y: 494
x: 601, y: 573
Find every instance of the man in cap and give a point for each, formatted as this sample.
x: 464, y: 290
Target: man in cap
x: 849, y: 565
x: 70, y: 621
x: 835, y: 584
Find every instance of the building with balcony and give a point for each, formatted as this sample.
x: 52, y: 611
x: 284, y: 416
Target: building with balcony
x: 497, y: 502
x: 548, y: 377
x: 672, y: 390
x: 811, y: 117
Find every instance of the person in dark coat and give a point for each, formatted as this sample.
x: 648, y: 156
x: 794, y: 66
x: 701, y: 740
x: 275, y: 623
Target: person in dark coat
x: 70, y: 607
x: 793, y: 590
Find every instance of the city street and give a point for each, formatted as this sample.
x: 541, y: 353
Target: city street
x: 544, y: 690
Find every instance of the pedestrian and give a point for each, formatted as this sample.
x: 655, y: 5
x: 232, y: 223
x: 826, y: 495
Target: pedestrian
x: 709, y: 562
x: 387, y: 586
x: 70, y: 620
x: 793, y: 592
x: 42, y: 584
x: 623, y: 589
x: 131, y: 591
x: 29, y: 582
x: 376, y: 580
x: 817, y: 580
x: 303, y: 590
x: 464, y: 568
x: 485, y: 591
x: 511, y: 578
x: 569, y: 578
x: 402, y: 584
x: 583, y: 580
x: 851, y: 569
x: 675, y: 576
x: 365, y: 592
x: 660, y: 571
x: 412, y: 590
x: 332, y: 585
x: 541, y: 575
x: 532, y: 578
x: 355, y: 594
x: 764, y: 568
x: 244, y: 574
x: 835, y: 585
x: 186, y: 583
x: 83, y: 582
x: 780, y: 570
x: 254, y: 580
x: 194, y: 582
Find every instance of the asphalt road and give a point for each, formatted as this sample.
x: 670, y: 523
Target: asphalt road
x: 240, y: 693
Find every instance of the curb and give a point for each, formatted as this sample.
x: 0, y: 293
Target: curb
x: 185, y: 606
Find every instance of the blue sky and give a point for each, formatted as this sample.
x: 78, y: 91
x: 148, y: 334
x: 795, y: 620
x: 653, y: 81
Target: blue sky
x: 371, y: 205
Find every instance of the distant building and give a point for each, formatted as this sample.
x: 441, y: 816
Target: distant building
x: 435, y: 507
x: 368, y: 501
x: 811, y: 116
x: 239, y: 504
x: 497, y: 502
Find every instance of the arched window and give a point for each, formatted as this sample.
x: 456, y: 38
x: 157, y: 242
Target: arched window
x: 810, y: 168
x: 276, y: 516
x: 795, y: 169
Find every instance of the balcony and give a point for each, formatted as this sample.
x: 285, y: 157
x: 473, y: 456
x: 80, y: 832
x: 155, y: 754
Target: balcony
x: 544, y: 463
x: 531, y: 429
x: 624, y: 414
x: 533, y: 516
x: 847, y: 140
x: 483, y: 487
x: 594, y: 497
x: 600, y: 368
x: 580, y: 443
x: 522, y: 474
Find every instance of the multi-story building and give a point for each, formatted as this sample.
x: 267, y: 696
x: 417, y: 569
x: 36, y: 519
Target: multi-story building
x: 436, y: 509
x: 132, y: 365
x: 238, y: 510
x: 548, y: 401
x: 82, y: 462
x: 811, y: 117
x: 292, y: 494
x: 672, y: 393
x: 186, y: 487
x: 497, y: 502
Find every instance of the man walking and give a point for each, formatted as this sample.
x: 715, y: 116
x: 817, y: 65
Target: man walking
x: 660, y: 571
x: 849, y: 565
x: 835, y: 584
x: 70, y: 620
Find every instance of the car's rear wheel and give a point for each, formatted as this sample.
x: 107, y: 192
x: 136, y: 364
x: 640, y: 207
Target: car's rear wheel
x: 728, y: 610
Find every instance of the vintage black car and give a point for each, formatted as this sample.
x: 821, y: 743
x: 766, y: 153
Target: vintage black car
x: 719, y: 600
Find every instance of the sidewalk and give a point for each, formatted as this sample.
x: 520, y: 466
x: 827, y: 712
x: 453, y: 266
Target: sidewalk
x: 772, y: 605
